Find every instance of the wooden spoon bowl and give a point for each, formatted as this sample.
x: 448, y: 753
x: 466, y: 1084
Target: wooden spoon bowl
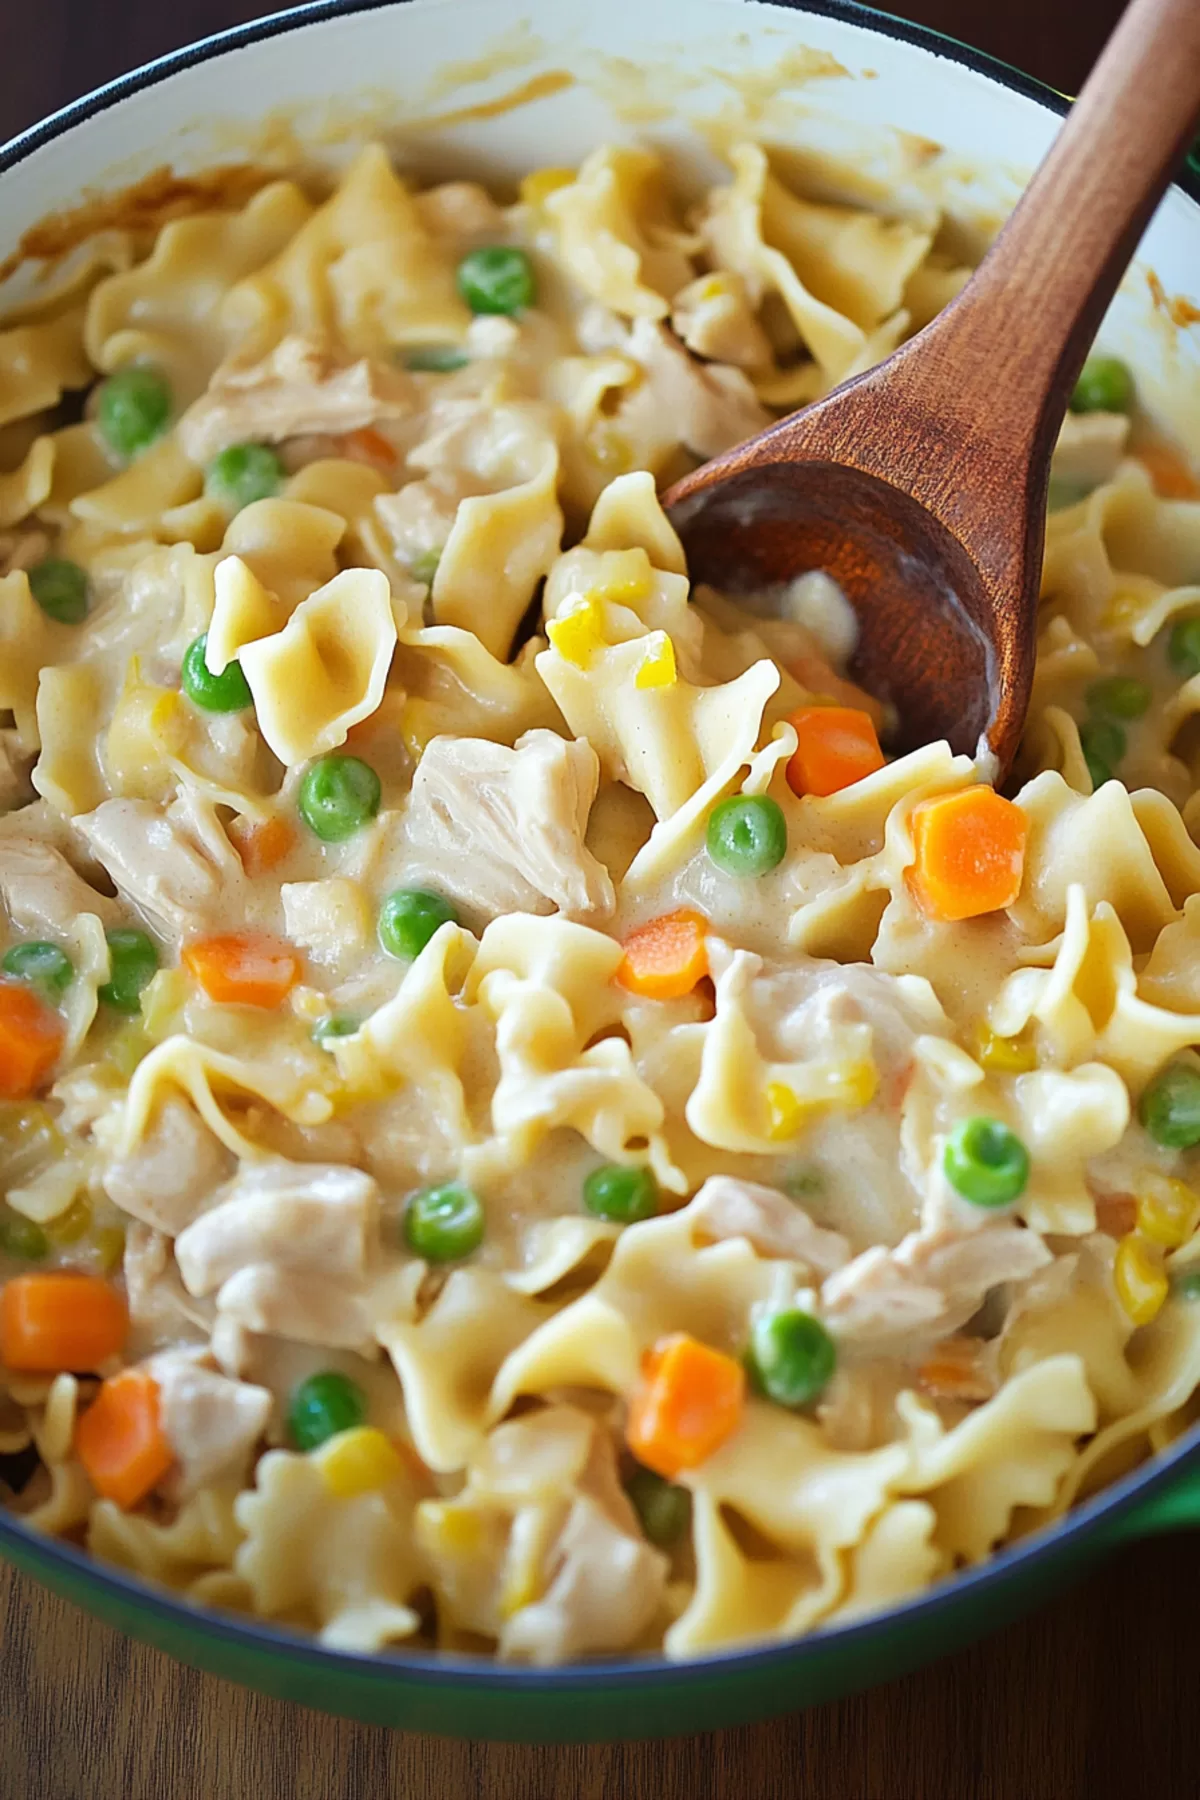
x: 920, y: 486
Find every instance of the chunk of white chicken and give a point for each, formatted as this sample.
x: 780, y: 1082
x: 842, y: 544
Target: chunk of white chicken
x: 605, y: 1587
x: 315, y: 1217
x: 159, y: 864
x: 300, y: 389
x: 929, y: 1285
x: 211, y: 1423
x: 715, y: 319
x: 160, y: 1308
x: 286, y: 1251
x: 776, y: 1226
x: 304, y: 1308
x: 706, y: 407
x: 41, y: 890
x: 174, y: 1169
x: 1089, y: 448
x: 502, y: 830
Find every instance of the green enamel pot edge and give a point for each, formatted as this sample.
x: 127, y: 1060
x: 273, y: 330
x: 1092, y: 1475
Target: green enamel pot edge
x: 605, y: 1702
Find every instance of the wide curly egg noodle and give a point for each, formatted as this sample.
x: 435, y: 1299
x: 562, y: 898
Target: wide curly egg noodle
x: 523, y: 1129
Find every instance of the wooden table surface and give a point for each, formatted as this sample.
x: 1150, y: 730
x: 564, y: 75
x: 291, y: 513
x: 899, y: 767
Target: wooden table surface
x: 1094, y: 1697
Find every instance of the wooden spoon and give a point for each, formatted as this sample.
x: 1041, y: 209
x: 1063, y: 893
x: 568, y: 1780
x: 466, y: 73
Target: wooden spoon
x: 921, y: 485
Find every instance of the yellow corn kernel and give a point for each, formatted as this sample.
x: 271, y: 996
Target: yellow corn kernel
x: 451, y: 1527
x: 359, y: 1461
x: 657, y: 667
x: 1167, y: 1210
x: 535, y: 187
x: 1141, y: 1284
x: 786, y: 1109
x: 578, y: 634
x: 110, y: 1247
x: 858, y: 1084
x: 1004, y: 1055
x: 71, y: 1225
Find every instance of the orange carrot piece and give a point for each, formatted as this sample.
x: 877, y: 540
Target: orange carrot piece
x: 836, y: 746
x: 120, y: 1440
x: 690, y: 1400
x: 370, y: 446
x: 31, y: 1036
x: 970, y: 853
x: 955, y: 1371
x: 666, y: 957
x: 244, y: 968
x: 1170, y: 471
x: 262, y: 844
x: 60, y: 1320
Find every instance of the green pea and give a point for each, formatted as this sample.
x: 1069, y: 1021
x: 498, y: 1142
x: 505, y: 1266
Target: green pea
x: 338, y: 796
x: 790, y: 1357
x: 409, y: 918
x: 1120, y: 696
x: 1183, y: 646
x: 337, y: 1025
x: 1170, y: 1106
x: 133, y: 963
x: 1186, y: 1285
x: 747, y: 835
x: 44, y: 966
x: 1103, y: 741
x: 228, y: 692
x: 435, y: 359
x: 1105, y: 385
x: 244, y: 473
x: 21, y: 1237
x: 985, y: 1162
x: 134, y: 408
x: 60, y: 588
x: 322, y: 1405
x: 623, y: 1195
x: 425, y: 567
x: 664, y: 1509
x: 444, y: 1224
x: 496, y: 279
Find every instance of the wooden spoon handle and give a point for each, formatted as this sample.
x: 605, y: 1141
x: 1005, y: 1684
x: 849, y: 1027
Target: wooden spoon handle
x: 1026, y: 320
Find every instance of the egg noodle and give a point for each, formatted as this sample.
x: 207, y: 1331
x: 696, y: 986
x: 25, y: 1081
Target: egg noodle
x: 522, y: 1129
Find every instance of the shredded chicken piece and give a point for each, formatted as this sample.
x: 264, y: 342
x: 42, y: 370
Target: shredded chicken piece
x: 157, y: 863
x: 211, y: 1422
x: 298, y: 389
x: 305, y: 1308
x: 726, y: 1207
x: 313, y: 1217
x: 503, y: 829
x: 174, y: 1169
x: 709, y: 408
x: 41, y: 890
x: 714, y: 318
x: 930, y: 1284
x: 159, y: 1305
x: 1089, y: 448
